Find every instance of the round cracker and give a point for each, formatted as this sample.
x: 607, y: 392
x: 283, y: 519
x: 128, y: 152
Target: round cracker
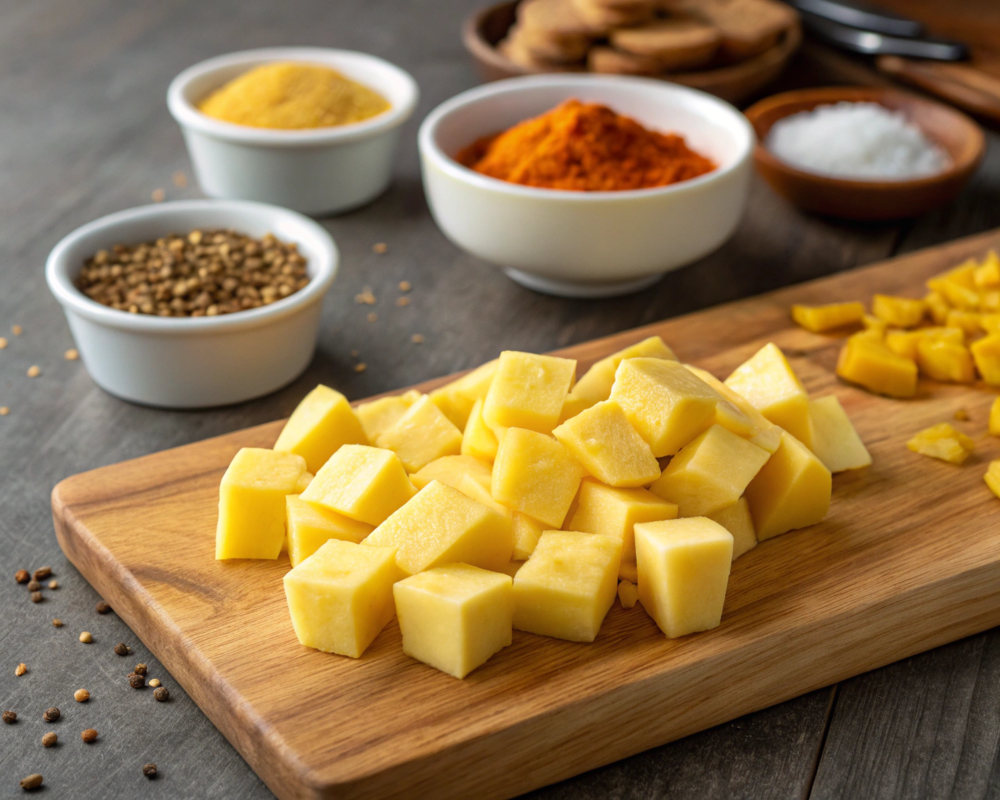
x: 678, y: 44
x: 604, y: 18
x: 554, y: 17
x: 516, y: 52
x: 617, y: 62
x: 551, y: 47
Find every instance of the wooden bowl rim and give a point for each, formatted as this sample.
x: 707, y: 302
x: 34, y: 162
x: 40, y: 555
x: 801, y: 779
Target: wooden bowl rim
x: 971, y: 156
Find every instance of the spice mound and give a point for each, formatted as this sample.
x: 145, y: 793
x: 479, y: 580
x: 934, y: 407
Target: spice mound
x: 293, y: 97
x: 585, y: 147
x: 203, y: 274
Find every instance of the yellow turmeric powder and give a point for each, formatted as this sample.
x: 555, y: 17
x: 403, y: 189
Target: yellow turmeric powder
x: 584, y: 147
x: 293, y: 96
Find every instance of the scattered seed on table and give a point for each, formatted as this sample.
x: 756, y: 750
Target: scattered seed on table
x: 372, y: 316
x: 136, y: 681
x: 360, y: 366
x: 102, y: 607
x: 161, y: 694
x: 53, y: 584
x: 51, y: 714
x: 22, y: 576
x: 149, y: 770
x: 380, y: 247
x: 81, y: 695
x: 89, y: 735
x: 34, y: 371
x: 154, y: 682
x: 32, y: 781
x: 57, y: 623
x: 49, y: 739
x: 140, y: 669
x: 86, y: 637
x: 405, y: 286
x: 72, y: 354
x: 121, y: 649
x: 20, y: 669
x: 10, y: 717
x: 3, y: 342
x: 34, y: 586
x: 417, y: 338
x: 17, y: 330
x: 36, y: 597
x: 4, y: 411
x: 158, y: 195
x: 402, y: 301
x: 366, y: 297
x: 180, y: 180
x: 42, y: 573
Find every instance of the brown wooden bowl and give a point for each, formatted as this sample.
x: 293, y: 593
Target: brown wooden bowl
x: 956, y: 133
x: 484, y: 29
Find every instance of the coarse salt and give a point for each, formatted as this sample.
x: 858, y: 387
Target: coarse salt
x: 865, y: 141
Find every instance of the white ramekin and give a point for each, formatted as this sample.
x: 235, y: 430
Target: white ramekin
x: 199, y: 361
x: 315, y: 171
x: 587, y: 244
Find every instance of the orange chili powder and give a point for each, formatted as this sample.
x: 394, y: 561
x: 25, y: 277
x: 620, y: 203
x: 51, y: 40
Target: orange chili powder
x: 584, y: 147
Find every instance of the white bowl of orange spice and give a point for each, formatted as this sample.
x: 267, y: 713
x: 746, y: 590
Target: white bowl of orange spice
x: 196, y: 303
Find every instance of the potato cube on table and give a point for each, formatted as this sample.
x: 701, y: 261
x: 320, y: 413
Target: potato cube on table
x: 364, y: 483
x: 252, y: 503
x: 568, y: 585
x: 869, y: 362
x: 341, y: 596
x: 319, y: 426
x: 536, y: 475
x: 941, y: 360
x: 527, y: 532
x: 904, y: 343
x: 455, y: 617
x: 609, y: 448
x: 664, y: 401
x: 422, y: 435
x: 835, y: 442
x: 309, y: 527
x: 792, y: 490
x: 986, y: 353
x: 456, y: 399
x: 628, y: 593
x: 441, y: 525
x: 762, y: 432
x: 478, y: 439
x: 451, y: 469
x: 683, y: 573
x: 596, y: 383
x: 900, y: 312
x: 528, y: 391
x: 827, y: 317
x: 942, y: 441
x: 710, y: 473
x: 377, y: 416
x: 739, y: 522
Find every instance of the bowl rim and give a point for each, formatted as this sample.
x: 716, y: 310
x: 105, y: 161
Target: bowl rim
x: 188, y: 116
x: 429, y: 148
x: 58, y: 270
x: 832, y: 94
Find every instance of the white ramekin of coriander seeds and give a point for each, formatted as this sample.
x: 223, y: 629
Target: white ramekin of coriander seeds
x: 194, y: 361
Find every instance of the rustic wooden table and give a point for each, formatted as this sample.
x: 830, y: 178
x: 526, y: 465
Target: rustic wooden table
x: 85, y: 132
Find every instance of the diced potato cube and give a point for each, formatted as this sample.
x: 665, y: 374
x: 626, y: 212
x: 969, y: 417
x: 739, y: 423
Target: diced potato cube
x: 968, y: 321
x: 440, y: 525
x: 827, y: 317
x: 456, y: 399
x: 319, y: 426
x: 451, y: 469
x: 422, y: 435
x: 835, y: 442
x: 609, y: 448
x: 992, y: 477
x: 303, y: 483
x: 987, y: 274
x: 379, y: 415
x: 596, y: 383
x: 989, y: 301
x: 995, y: 417
x: 512, y: 567
x: 943, y: 442
x: 791, y: 491
x: 665, y: 402
x: 764, y: 433
x: 573, y: 406
x: 904, y: 343
x: 938, y: 307
x: 528, y: 391
x: 900, y: 312
x: 568, y: 585
x: 364, y: 483
x: 536, y: 475
x: 527, y: 532
x: 683, y: 573
x: 628, y: 594
x: 958, y: 285
x: 771, y: 386
x: 739, y: 522
x: 990, y: 323
x: 474, y: 488
x: 941, y: 360
x: 479, y: 440
x: 986, y: 353
x: 252, y: 503
x: 870, y: 363
x: 874, y: 324
x: 309, y: 527
x: 710, y: 473
x: 341, y: 596
x: 628, y: 572
x: 455, y: 617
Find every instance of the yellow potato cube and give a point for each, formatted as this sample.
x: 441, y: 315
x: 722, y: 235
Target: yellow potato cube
x: 309, y: 527
x: 791, y: 491
x: 987, y: 274
x: 992, y: 477
x: 568, y: 585
x: 990, y: 323
x: 478, y: 440
x: 340, y: 597
x: 943, y: 442
x: 995, y: 417
x: 456, y: 399
x: 527, y: 532
x: 441, y: 525
x: 364, y: 483
x: 969, y: 322
x: 573, y: 406
x: 827, y: 317
x: 422, y: 435
x: 764, y: 433
x: 628, y: 572
x: 958, y: 285
x: 378, y: 416
x: 628, y: 594
x: 986, y: 353
x: 683, y: 573
x: 900, y: 312
x: 771, y: 386
x: 451, y: 469
x: 871, y: 364
x: 596, y: 383
x: 937, y: 306
x: 528, y: 391
x: 252, y: 503
x: 319, y: 426
x: 609, y: 448
x: 904, y: 343
x: 874, y: 324
x: 739, y: 522
x: 536, y: 475
x: 615, y: 512
x: 474, y: 488
x: 512, y: 567
x: 941, y: 360
x: 664, y: 401
x: 455, y: 617
x: 303, y: 483
x: 710, y: 473
x: 835, y: 442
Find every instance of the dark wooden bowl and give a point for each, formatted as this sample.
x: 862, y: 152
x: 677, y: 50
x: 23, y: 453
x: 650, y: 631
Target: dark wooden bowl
x: 736, y: 83
x: 956, y: 133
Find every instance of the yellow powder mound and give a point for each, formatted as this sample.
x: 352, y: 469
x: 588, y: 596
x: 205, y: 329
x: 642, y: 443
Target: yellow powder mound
x: 293, y: 97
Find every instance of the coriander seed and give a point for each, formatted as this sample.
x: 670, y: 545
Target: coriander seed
x: 22, y: 576
x: 49, y: 739
x: 53, y: 584
x: 417, y: 338
x: 161, y: 694
x: 89, y: 735
x: 72, y: 354
x: 361, y: 366
x: 51, y: 714
x: 380, y: 247
x: 86, y: 637
x: 42, y: 573
x: 136, y: 681
x: 402, y: 301
x: 180, y: 180
x: 3, y: 343
x: 81, y: 695
x: 121, y: 649
x: 140, y: 669
x: 20, y: 669
x: 158, y: 195
x: 102, y: 607
x: 34, y: 371
x: 32, y: 781
x: 4, y: 411
x: 10, y: 717
x: 154, y: 682
x: 57, y: 623
x: 149, y: 770
x: 17, y: 330
x: 36, y: 597
x: 405, y: 286
x: 34, y: 586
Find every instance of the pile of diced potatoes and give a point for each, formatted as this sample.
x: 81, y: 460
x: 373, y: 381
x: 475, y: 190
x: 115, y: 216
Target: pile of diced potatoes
x: 517, y: 497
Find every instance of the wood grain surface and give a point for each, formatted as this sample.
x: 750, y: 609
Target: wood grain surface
x: 877, y: 581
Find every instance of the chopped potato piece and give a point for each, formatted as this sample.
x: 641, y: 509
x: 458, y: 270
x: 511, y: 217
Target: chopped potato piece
x: 738, y: 520
x: 874, y: 324
x: 968, y: 321
x: 596, y: 383
x: 987, y: 274
x: 421, y: 435
x: 986, y: 353
x: 990, y: 322
x: 451, y: 469
x: 319, y: 425
x: 528, y: 391
x: 870, y: 363
x: 764, y: 434
x: 573, y: 406
x: 474, y: 488
x: 380, y: 415
x: 527, y: 532
x: 899, y: 312
x: 958, y: 285
x: 835, y: 442
x: 827, y: 317
x: 904, y: 343
x: 942, y: 441
x: 941, y: 360
x: 992, y: 477
x: 628, y: 594
x: 937, y: 307
x: 455, y: 399
x: 309, y: 527
x: 478, y: 440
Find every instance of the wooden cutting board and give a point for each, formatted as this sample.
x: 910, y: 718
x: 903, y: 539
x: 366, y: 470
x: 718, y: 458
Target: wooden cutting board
x: 907, y: 560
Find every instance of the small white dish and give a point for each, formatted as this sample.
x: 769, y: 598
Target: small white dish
x: 194, y: 362
x: 315, y: 171
x: 587, y: 244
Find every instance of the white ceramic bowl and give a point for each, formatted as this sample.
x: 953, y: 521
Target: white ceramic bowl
x: 587, y: 244
x: 200, y: 361
x: 315, y: 171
